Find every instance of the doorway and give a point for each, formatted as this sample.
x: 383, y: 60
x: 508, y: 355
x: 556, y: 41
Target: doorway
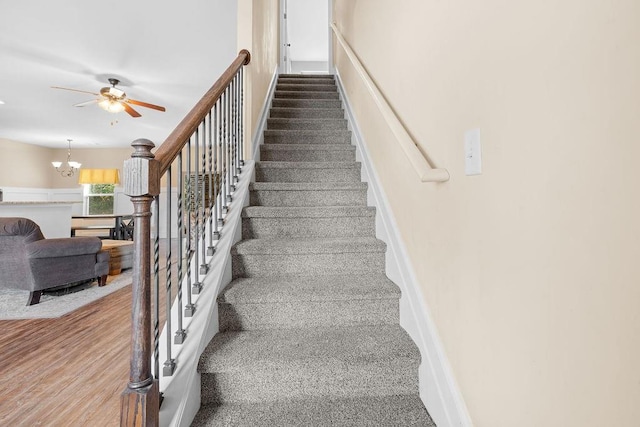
x: 306, y: 37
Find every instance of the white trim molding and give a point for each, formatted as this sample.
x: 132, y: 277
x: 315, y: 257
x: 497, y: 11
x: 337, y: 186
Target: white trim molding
x: 438, y: 388
x: 182, y: 390
x: 258, y: 134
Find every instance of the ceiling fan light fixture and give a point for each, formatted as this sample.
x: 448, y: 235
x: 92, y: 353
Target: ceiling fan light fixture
x: 114, y: 100
x: 111, y: 106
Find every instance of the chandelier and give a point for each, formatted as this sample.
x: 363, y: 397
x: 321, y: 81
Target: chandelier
x: 71, y: 167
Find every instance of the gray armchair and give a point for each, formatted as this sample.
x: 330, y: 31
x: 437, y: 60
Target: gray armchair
x: 30, y: 262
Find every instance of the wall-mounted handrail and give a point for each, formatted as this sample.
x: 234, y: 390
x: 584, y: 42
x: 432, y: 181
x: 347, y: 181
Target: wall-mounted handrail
x: 420, y: 164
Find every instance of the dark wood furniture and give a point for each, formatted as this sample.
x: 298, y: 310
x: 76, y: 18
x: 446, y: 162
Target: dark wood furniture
x: 122, y: 228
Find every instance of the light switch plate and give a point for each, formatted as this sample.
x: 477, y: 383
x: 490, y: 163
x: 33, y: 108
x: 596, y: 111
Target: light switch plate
x: 472, y: 152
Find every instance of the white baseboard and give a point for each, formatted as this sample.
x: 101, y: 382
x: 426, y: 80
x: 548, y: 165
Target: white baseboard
x: 438, y: 388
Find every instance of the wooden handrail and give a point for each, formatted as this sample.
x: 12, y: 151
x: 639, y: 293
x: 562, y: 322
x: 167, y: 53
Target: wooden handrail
x: 142, y: 176
x: 426, y: 172
x: 176, y: 140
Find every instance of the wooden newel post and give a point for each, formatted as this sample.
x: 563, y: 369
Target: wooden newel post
x: 140, y: 399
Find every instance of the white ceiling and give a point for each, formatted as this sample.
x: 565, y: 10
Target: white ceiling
x: 164, y: 52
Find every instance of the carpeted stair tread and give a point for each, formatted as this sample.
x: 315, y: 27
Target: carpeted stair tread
x: 308, y: 165
x: 316, y: 81
x: 342, y: 193
x: 306, y: 76
x: 367, y: 411
x: 302, y: 136
x: 273, y: 171
x: 307, y: 246
x: 346, y: 148
x: 307, y: 186
x: 316, y: 221
x: 309, y: 324
x: 318, y: 113
x: 289, y: 87
x: 299, y: 288
x: 304, y: 94
x: 287, y: 349
x: 306, y: 103
x: 308, y: 212
x: 278, y: 123
x: 307, y: 147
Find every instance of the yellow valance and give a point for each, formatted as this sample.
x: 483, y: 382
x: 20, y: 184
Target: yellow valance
x: 99, y: 176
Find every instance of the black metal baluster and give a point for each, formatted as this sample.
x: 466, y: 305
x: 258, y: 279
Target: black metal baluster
x: 223, y: 149
x: 234, y: 141
x: 197, y: 286
x: 170, y: 364
x: 216, y: 175
x: 156, y: 287
x: 242, y: 148
x: 190, y: 308
x: 180, y: 334
x: 221, y: 163
x: 211, y: 249
x: 202, y: 212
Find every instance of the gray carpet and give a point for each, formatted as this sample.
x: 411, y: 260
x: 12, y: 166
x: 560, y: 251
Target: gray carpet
x: 12, y: 302
x: 310, y: 332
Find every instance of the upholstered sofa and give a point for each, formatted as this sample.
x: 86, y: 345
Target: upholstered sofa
x: 30, y: 262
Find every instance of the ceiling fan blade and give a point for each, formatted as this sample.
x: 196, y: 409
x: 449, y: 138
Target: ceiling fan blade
x: 75, y: 90
x: 131, y: 111
x: 146, y: 104
x: 82, y: 104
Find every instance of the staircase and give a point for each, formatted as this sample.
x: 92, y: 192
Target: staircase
x: 309, y: 326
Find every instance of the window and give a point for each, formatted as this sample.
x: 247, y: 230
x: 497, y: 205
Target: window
x: 99, y: 199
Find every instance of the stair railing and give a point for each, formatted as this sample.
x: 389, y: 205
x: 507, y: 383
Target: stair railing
x: 421, y: 165
x: 206, y: 153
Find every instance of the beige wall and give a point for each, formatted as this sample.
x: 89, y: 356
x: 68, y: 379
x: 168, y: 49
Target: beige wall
x: 29, y: 166
x: 258, y: 31
x: 90, y: 158
x: 530, y: 269
x: 25, y: 165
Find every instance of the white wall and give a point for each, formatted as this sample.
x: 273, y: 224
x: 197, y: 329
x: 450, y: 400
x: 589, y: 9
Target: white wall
x: 308, y: 22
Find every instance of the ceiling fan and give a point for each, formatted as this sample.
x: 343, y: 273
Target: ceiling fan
x: 113, y: 99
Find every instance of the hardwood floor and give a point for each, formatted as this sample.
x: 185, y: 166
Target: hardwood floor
x: 67, y: 371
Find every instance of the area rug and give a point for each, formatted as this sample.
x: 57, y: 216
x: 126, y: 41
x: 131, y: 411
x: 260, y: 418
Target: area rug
x: 56, y: 304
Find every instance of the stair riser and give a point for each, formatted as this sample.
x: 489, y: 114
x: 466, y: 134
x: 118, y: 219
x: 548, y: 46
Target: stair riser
x: 332, y: 263
x: 307, y: 314
x: 398, y: 377
x: 307, y: 155
x: 288, y: 87
x: 264, y: 174
x: 256, y: 228
x: 403, y: 410
x: 308, y: 198
x: 292, y: 138
x: 303, y: 113
x: 338, y: 124
x: 294, y: 94
x: 295, y: 81
x: 306, y: 76
x: 306, y: 103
